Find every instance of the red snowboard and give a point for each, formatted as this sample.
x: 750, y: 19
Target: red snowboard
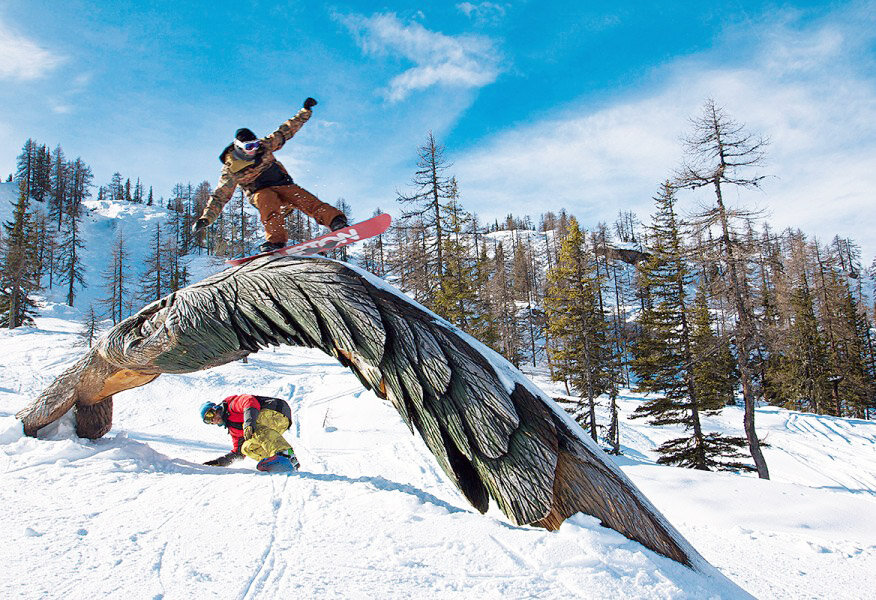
x: 329, y: 241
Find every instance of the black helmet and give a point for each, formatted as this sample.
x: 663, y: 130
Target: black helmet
x: 245, y: 135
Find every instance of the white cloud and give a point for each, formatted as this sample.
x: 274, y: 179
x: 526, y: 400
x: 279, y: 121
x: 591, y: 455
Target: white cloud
x: 810, y: 90
x: 483, y: 12
x: 467, y: 61
x: 24, y: 59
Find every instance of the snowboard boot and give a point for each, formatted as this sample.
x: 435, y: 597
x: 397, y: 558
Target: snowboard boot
x: 338, y: 222
x: 270, y: 246
x: 279, y: 463
x: 290, y: 454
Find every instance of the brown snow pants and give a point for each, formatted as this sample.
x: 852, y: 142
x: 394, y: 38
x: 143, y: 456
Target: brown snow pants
x: 274, y: 203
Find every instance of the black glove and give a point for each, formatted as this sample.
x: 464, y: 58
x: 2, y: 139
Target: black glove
x: 224, y: 460
x: 248, y: 432
x: 200, y: 225
x: 309, y: 103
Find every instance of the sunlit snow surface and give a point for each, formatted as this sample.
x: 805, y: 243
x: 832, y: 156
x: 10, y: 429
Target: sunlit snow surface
x: 136, y: 515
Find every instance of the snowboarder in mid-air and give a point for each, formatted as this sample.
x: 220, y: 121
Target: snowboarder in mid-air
x: 256, y: 425
x: 250, y: 163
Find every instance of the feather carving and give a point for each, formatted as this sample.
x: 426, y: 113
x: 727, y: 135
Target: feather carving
x: 492, y: 431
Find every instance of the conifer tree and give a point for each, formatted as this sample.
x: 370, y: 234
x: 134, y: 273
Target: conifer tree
x: 483, y: 323
x: 373, y: 252
x: 714, y: 368
x: 116, y: 188
x: 19, y: 269
x: 242, y: 226
x: 152, y: 285
x: 581, y: 350
x: 137, y: 195
x: 25, y: 166
x: 90, y: 329
x: 664, y: 355
x: 505, y: 310
x: 116, y: 283
x: 850, y: 380
x: 59, y: 181
x: 42, y: 183
x: 455, y: 297
x: 804, y: 363
x: 431, y: 189
x: 71, y: 244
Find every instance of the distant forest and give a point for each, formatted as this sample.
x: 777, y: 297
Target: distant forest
x: 704, y: 310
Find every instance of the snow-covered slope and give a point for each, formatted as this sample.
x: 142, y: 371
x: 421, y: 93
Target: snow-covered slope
x: 135, y: 514
x: 100, y: 227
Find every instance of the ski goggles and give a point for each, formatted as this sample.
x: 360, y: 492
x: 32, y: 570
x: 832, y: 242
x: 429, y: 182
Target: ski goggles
x: 248, y: 146
x: 208, y: 416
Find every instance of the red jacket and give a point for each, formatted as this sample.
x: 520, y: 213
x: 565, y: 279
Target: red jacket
x: 233, y: 415
x: 243, y: 409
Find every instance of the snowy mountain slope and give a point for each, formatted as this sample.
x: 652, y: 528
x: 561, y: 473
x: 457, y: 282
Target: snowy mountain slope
x: 135, y: 513
x: 100, y: 227
x: 371, y: 515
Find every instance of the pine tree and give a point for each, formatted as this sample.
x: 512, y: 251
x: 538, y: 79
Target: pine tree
x: 804, y: 363
x: 714, y: 368
x: 59, y: 181
x: 373, y: 252
x: 19, y: 270
x: 90, y: 329
x: 116, y: 188
x: 509, y: 343
x: 25, y: 166
x: 852, y: 383
x: 152, y: 284
x: 432, y: 189
x: 455, y: 297
x: 115, y: 279
x: 199, y: 200
x: 242, y: 225
x: 72, y: 245
x: 581, y: 353
x: 664, y: 354
x: 137, y: 195
x: 483, y: 323
x: 42, y: 182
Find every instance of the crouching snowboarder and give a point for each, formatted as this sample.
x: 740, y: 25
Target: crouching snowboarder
x: 256, y: 425
x: 250, y: 163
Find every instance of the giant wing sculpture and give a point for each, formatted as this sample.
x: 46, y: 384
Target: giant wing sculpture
x: 494, y: 433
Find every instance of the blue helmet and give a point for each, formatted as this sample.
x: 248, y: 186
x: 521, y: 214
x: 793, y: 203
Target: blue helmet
x: 208, y: 409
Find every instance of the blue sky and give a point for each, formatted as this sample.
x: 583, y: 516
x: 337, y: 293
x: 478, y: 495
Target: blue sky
x: 541, y: 105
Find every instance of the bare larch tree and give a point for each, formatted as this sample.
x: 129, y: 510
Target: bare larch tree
x: 717, y: 153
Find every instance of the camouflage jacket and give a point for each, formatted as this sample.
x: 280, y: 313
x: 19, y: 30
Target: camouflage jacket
x: 252, y: 175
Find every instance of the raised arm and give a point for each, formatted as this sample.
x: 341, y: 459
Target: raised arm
x: 284, y: 133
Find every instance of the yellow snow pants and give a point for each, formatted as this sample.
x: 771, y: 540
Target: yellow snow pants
x: 267, y: 439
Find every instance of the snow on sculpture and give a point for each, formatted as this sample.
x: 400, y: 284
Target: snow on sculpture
x: 494, y: 433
